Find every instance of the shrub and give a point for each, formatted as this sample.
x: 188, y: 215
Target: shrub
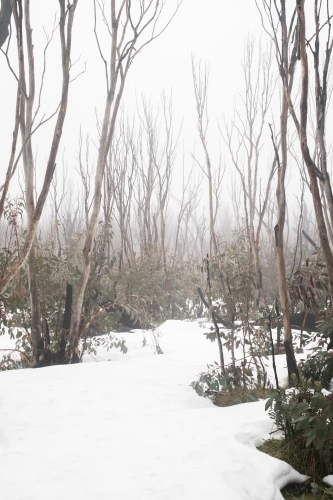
x: 316, y: 368
x: 305, y: 416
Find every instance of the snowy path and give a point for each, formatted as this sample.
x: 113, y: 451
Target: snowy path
x: 132, y: 429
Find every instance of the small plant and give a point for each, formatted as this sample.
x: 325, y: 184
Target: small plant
x: 19, y: 356
x: 107, y: 341
x: 210, y: 382
x: 233, y: 385
x: 155, y: 344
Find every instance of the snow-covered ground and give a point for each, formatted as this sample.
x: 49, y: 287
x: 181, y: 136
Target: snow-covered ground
x: 131, y: 428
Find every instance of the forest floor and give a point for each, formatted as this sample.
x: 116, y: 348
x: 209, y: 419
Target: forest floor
x: 130, y: 427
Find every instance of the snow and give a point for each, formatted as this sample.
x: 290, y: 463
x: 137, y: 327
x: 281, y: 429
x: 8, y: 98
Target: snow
x: 328, y: 480
x: 131, y: 427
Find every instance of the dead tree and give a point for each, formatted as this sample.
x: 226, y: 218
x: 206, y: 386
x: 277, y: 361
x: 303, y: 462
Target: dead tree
x: 244, y: 139
x: 287, y: 59
x: 200, y: 82
x: 129, y: 24
x: 316, y: 164
x: 26, y: 119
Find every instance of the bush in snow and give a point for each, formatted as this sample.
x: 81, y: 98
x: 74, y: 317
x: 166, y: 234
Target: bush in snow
x: 305, y: 416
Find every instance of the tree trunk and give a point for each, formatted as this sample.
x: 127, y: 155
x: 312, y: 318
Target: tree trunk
x: 26, y: 124
x: 288, y: 69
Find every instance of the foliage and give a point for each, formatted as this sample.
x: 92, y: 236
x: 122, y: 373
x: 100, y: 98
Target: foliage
x: 305, y: 416
x: 19, y: 356
x: 233, y: 279
x: 232, y: 290
x: 326, y: 331
x: 235, y: 381
x: 53, y: 271
x: 310, y: 289
x: 108, y: 341
x: 158, y: 295
x: 136, y: 293
x: 210, y: 381
x: 309, y: 284
x: 317, y: 368
x: 155, y: 335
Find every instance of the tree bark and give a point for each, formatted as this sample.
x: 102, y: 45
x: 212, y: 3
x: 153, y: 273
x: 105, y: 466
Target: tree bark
x: 26, y: 124
x: 288, y: 69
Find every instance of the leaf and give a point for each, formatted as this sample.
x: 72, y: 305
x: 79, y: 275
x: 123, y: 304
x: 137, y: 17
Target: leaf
x: 269, y: 403
x: 309, y: 441
x: 300, y: 419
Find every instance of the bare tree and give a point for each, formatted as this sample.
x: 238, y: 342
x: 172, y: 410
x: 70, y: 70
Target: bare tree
x: 26, y: 117
x: 287, y: 62
x: 297, y: 34
x: 244, y: 138
x: 122, y: 173
x: 146, y: 156
x: 301, y: 125
x: 127, y: 27
x: 200, y: 81
x: 188, y: 202
x: 165, y: 164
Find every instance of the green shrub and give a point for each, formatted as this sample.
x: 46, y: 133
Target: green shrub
x: 316, y: 368
x: 235, y: 385
x: 305, y: 416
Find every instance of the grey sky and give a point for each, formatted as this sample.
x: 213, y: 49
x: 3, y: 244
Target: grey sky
x: 213, y: 31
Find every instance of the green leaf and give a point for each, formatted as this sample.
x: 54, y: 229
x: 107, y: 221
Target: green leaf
x: 309, y: 441
x: 269, y: 403
x: 300, y: 419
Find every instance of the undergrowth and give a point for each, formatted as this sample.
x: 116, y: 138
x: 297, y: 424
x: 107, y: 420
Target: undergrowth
x: 239, y: 395
x: 304, y: 461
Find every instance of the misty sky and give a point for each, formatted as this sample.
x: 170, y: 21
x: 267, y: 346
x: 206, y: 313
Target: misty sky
x: 213, y: 32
